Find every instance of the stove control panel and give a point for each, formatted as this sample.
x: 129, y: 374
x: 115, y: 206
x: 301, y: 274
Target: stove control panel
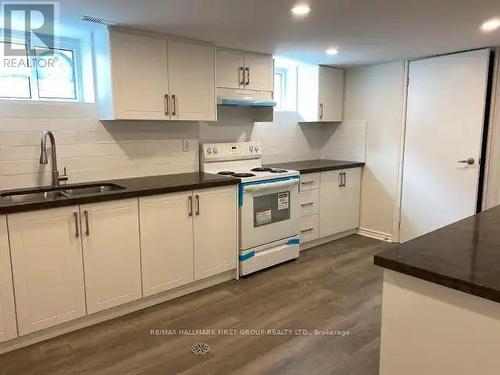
x: 231, y: 151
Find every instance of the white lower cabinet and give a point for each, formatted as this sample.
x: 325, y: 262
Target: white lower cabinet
x: 166, y: 241
x: 47, y: 267
x: 215, y: 231
x: 339, y: 201
x: 8, y: 327
x: 112, y: 254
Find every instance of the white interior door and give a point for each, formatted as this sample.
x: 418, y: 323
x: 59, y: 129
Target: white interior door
x: 446, y: 109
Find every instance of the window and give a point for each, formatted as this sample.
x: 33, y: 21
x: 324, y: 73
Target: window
x: 280, y: 87
x: 49, y: 74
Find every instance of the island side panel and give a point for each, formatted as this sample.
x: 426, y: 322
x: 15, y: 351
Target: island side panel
x: 434, y: 330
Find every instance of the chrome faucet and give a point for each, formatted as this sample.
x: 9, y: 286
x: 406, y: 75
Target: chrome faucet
x: 56, y: 178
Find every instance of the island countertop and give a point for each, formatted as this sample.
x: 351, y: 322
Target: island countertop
x: 464, y: 256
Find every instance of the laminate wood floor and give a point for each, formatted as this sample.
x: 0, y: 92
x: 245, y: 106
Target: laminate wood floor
x: 331, y: 287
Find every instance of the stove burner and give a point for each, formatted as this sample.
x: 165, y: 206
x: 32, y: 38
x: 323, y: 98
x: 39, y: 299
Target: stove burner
x: 276, y: 170
x: 226, y: 173
x: 243, y: 175
x: 262, y: 169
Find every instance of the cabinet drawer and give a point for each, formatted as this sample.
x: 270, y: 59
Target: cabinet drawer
x: 309, y: 228
x: 309, y: 181
x: 309, y: 202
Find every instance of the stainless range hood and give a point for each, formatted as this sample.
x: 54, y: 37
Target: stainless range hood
x: 244, y: 98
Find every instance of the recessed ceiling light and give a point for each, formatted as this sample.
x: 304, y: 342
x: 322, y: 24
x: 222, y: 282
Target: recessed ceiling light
x: 491, y: 25
x: 301, y: 9
x: 332, y: 51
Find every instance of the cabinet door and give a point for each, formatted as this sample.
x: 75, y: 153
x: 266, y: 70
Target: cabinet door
x: 230, y: 65
x: 8, y: 328
x: 140, y: 79
x: 260, y: 72
x: 111, y: 253
x: 47, y: 267
x: 166, y: 241
x: 191, y: 70
x: 339, y: 205
x: 215, y: 231
x: 331, y: 94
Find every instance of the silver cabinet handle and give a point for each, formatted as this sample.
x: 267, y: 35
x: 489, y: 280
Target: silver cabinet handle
x: 307, y: 182
x: 77, y: 229
x: 341, y: 179
x: 242, y: 76
x: 87, y: 227
x: 321, y: 111
x: 306, y: 230
x: 190, y: 205
x: 345, y: 179
x: 174, y: 103
x: 469, y: 161
x: 167, y: 104
x: 247, y: 70
x: 307, y: 204
x: 197, y: 198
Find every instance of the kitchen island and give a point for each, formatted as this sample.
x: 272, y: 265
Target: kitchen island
x: 441, y: 300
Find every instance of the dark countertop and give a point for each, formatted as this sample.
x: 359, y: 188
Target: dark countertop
x: 319, y: 165
x: 134, y: 187
x: 464, y: 256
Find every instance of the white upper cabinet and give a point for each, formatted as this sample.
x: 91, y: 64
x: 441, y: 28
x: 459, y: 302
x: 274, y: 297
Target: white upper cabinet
x: 320, y: 93
x: 145, y: 77
x: 111, y: 251
x: 166, y: 241
x: 244, y: 70
x: 339, y: 201
x: 215, y: 231
x: 8, y: 328
x: 140, y: 76
x: 230, y: 68
x: 47, y: 267
x: 191, y: 70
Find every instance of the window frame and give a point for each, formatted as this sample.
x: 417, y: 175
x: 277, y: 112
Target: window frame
x: 283, y: 73
x: 64, y: 44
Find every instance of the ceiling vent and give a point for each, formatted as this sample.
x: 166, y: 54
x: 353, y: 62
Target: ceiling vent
x: 100, y: 21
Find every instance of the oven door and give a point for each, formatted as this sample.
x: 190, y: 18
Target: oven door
x: 269, y: 211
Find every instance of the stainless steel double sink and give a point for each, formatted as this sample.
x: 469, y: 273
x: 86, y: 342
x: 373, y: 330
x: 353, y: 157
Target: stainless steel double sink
x: 44, y: 194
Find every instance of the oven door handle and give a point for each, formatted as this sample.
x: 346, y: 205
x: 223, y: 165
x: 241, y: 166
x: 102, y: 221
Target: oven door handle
x: 271, y: 185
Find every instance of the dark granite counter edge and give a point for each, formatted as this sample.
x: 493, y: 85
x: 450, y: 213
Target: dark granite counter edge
x: 433, y: 277
x: 113, y: 195
x: 331, y: 168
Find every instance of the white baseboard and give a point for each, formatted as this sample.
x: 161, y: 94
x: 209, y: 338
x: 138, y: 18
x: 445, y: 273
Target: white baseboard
x: 114, y: 312
x: 323, y: 240
x: 374, y: 234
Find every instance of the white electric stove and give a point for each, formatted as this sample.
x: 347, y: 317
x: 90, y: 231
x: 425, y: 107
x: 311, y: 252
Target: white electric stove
x: 268, y: 201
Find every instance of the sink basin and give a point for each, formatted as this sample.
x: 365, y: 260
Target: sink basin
x: 36, y: 195
x: 90, y: 189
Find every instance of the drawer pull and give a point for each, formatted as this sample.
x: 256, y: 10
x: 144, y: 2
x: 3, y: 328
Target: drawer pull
x: 307, y: 204
x: 306, y: 230
x: 307, y: 182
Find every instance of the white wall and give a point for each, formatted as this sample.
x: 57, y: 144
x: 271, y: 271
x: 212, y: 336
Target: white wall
x: 92, y: 150
x: 375, y: 94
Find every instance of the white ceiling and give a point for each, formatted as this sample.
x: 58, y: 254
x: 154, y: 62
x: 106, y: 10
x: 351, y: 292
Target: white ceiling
x: 364, y: 31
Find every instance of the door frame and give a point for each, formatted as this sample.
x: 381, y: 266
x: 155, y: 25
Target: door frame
x: 486, y: 148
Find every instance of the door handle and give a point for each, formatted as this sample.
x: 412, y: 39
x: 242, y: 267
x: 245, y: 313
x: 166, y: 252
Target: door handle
x: 307, y: 204
x: 87, y: 227
x: 242, y: 76
x: 190, y: 205
x: 345, y: 179
x: 341, y: 180
x: 321, y: 111
x: 77, y: 229
x: 174, y: 103
x: 307, y: 182
x: 307, y: 230
x: 469, y: 161
x: 247, y: 70
x: 197, y: 198
x: 167, y: 104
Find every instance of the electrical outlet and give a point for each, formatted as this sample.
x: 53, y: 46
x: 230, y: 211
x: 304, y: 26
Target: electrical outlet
x: 185, y: 145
